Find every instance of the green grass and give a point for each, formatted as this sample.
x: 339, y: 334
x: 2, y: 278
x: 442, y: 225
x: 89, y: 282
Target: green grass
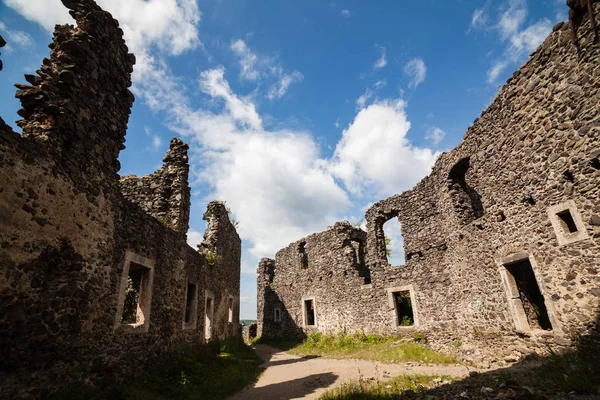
x: 207, y: 372
x: 387, y: 349
x: 555, y: 376
x: 394, y: 388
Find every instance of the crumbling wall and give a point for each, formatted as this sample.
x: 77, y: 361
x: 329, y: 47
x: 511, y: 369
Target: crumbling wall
x: 67, y: 233
x: 165, y: 193
x: 333, y: 267
x: 491, y: 202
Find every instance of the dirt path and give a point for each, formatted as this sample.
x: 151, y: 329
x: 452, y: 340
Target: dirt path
x: 292, y: 377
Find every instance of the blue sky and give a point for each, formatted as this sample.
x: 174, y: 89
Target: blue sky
x: 298, y: 113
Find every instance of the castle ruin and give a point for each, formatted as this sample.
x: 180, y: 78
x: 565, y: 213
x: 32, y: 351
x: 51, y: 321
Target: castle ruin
x: 502, y: 239
x: 97, y: 277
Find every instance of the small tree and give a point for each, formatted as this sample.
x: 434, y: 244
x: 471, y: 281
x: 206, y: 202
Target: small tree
x: 388, y: 251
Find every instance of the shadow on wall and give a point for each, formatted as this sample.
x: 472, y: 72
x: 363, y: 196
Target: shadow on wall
x: 277, y: 321
x: 467, y: 201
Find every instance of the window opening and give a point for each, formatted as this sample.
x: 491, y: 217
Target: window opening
x: 208, y: 318
x: 567, y: 223
x: 309, y: 312
x: 529, y: 294
x: 595, y: 163
x: 277, y: 314
x: 467, y: 201
x: 394, y: 243
x: 230, y: 313
x: 404, y: 310
x: 302, y: 255
x: 190, y: 303
x: 135, y: 306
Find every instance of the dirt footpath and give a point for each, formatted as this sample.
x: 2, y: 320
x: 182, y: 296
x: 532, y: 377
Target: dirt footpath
x: 292, y: 377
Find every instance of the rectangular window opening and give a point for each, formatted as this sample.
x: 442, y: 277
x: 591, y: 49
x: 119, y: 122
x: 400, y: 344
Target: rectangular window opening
x: 309, y: 312
x: 230, y: 318
x: 190, y: 303
x: 277, y: 314
x: 567, y: 222
x: 208, y: 318
x: 135, y: 305
x: 530, y: 295
x: 404, y: 310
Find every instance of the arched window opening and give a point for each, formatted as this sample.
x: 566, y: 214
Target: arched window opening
x: 467, y: 202
x: 394, y: 243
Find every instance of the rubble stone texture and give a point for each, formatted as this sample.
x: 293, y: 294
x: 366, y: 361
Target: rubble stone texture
x: 67, y: 222
x: 486, y: 204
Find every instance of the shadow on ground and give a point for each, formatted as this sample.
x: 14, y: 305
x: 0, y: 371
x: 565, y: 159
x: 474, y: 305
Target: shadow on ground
x: 571, y: 374
x: 292, y: 389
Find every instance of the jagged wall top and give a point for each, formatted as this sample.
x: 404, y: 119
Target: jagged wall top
x: 79, y: 104
x: 165, y: 194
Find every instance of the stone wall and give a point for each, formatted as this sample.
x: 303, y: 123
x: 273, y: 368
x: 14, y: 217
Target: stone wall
x: 70, y: 229
x: 493, y: 203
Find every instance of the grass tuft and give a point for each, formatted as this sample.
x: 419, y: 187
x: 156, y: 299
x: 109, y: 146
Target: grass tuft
x: 212, y: 371
x: 387, y: 349
x: 394, y: 388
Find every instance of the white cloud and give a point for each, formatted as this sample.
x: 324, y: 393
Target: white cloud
x: 380, y: 129
x: 194, y: 238
x: 346, y: 13
x: 156, y: 141
x: 382, y: 61
x: 362, y: 100
x: 512, y: 19
x: 495, y: 71
x: 274, y: 181
x: 416, y: 70
x: 242, y: 111
x: 280, y: 88
x: 480, y: 18
x: 254, y: 68
x: 530, y: 38
x: 520, y: 40
x: 169, y: 25
x: 45, y: 12
x: 435, y: 134
x: 16, y: 37
x: 336, y: 123
x: 248, y: 60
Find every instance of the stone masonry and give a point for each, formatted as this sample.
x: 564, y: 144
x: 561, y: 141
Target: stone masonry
x: 97, y: 278
x: 502, y: 239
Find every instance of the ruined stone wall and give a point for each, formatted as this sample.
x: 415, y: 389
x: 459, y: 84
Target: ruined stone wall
x: 330, y: 271
x: 67, y: 233
x: 487, y: 204
x: 165, y: 193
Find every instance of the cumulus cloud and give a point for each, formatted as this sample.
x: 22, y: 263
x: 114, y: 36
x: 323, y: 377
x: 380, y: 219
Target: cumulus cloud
x: 169, y: 25
x: 346, y: 13
x: 45, y: 12
x: 380, y: 129
x: 274, y: 180
x: 435, y: 135
x: 382, y: 60
x: 416, y: 70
